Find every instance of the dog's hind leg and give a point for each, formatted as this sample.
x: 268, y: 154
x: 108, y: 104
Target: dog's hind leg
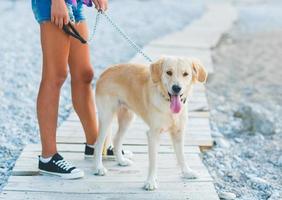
x: 106, y: 112
x: 178, y: 144
x: 108, y: 142
x: 125, y: 117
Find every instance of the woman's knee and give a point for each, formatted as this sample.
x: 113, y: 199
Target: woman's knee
x: 55, y: 80
x: 83, y: 75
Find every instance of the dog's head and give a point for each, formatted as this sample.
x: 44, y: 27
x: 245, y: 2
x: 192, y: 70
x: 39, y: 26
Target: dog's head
x: 175, y: 76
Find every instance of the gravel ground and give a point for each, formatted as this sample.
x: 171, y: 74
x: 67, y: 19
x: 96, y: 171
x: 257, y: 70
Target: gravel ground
x: 20, y: 60
x: 245, y: 95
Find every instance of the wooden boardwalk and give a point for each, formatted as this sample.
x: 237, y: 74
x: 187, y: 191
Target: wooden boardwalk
x: 126, y: 182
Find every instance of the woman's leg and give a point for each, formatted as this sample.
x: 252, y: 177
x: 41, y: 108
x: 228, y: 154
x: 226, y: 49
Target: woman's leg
x: 81, y: 78
x: 55, y: 48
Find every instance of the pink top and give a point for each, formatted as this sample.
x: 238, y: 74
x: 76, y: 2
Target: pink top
x: 86, y: 2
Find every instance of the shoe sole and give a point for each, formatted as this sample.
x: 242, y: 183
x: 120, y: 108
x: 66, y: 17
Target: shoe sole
x: 111, y: 157
x: 64, y: 176
x: 127, y: 155
x: 88, y: 157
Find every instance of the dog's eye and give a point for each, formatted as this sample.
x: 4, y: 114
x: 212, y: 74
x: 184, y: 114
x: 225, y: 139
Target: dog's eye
x: 169, y: 73
x: 185, y: 74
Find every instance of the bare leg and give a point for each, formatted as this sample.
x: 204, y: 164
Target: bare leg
x: 81, y: 78
x: 54, y: 74
x: 153, y: 145
x: 178, y: 144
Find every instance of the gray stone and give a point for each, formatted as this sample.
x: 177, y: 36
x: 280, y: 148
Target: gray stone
x: 238, y: 140
x: 3, y: 170
x: 221, y: 142
x: 256, y: 118
x: 3, y: 140
x: 216, y: 134
x: 250, y: 153
x: 227, y: 195
x: 276, y: 195
x: 258, y: 183
x: 279, y: 161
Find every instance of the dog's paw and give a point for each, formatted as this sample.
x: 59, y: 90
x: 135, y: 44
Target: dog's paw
x: 150, y: 185
x: 125, y: 162
x: 100, y: 171
x: 190, y: 174
x: 128, y: 154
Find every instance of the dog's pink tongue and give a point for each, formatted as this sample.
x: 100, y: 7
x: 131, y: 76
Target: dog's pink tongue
x: 175, y: 104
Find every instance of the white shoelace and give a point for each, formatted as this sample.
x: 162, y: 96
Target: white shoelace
x: 64, y: 164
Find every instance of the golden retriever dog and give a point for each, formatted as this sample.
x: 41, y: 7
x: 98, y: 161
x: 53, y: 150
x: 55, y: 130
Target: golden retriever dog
x: 158, y: 94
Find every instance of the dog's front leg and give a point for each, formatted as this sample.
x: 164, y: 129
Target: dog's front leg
x: 153, y: 144
x: 178, y: 144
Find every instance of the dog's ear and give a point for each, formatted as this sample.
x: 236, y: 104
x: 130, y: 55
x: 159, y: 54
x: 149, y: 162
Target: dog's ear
x: 199, y: 72
x: 156, y: 70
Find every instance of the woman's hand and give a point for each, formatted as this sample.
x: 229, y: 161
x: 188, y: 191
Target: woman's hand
x: 101, y: 4
x: 59, y: 13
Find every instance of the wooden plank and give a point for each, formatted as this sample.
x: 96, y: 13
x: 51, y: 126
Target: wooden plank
x: 195, y: 114
x: 27, y: 164
x: 136, y: 132
x: 89, y: 184
x: 136, y: 149
x: 190, y: 122
x: 164, y: 176
x: 31, y: 158
x: 77, y: 130
x: 197, y: 133
x: 191, y: 140
x: 193, y: 125
x: 193, y: 191
x: 204, y: 32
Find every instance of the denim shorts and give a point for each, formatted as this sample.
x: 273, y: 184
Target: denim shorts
x: 42, y: 11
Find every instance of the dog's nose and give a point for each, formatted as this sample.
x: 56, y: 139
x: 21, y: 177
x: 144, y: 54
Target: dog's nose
x: 176, y: 89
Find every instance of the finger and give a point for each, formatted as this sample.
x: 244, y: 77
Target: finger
x: 102, y: 4
x: 53, y: 19
x: 103, y: 7
x: 66, y: 20
x: 97, y: 5
x: 106, y: 6
x: 57, y: 21
x: 61, y: 22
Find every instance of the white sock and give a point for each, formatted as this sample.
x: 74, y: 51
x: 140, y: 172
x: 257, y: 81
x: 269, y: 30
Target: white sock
x: 45, y: 160
x: 91, y: 145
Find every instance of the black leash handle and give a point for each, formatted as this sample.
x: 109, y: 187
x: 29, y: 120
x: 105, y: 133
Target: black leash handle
x: 70, y: 30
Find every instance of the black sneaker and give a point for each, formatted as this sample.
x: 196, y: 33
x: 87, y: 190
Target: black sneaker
x: 59, y: 167
x: 89, y: 152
